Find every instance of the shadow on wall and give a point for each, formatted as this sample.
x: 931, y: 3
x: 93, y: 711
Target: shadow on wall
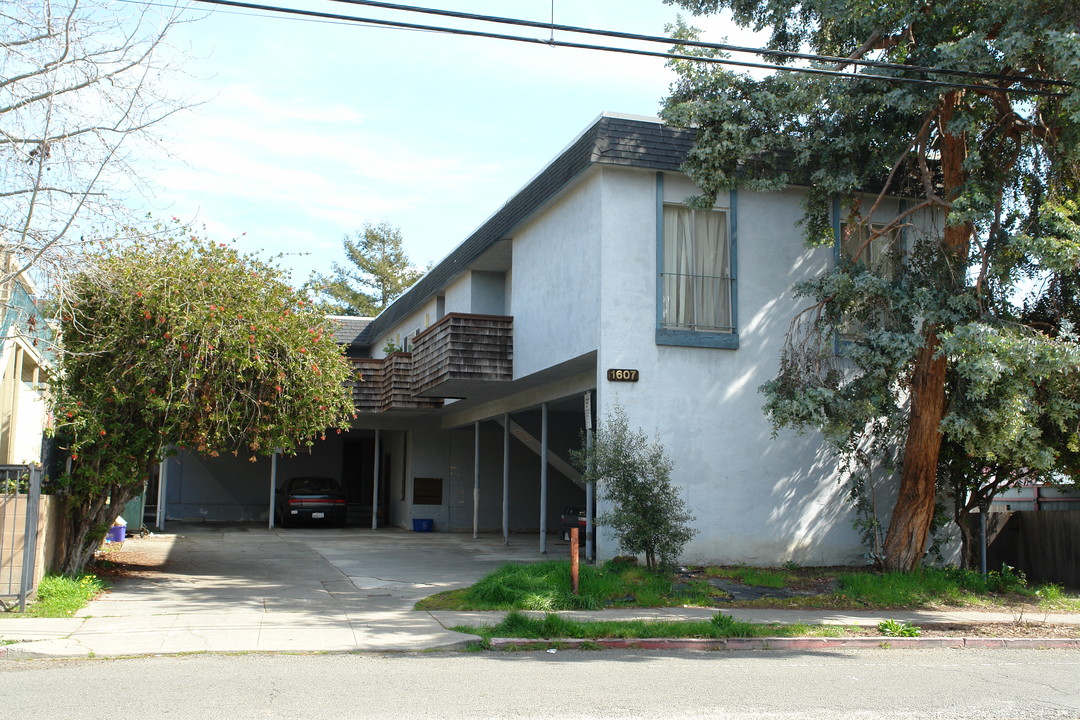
x: 769, y: 500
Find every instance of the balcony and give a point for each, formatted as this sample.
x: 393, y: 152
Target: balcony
x: 385, y: 384
x: 459, y: 352
x: 367, y: 385
x: 454, y: 358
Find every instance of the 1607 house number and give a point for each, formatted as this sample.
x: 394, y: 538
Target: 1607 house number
x: 622, y: 375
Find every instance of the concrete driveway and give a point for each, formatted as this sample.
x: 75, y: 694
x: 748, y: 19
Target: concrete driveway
x: 244, y: 588
x: 230, y: 567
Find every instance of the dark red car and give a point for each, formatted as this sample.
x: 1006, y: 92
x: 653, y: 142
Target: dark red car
x: 312, y: 500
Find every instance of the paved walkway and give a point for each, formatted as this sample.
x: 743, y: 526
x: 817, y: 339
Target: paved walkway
x: 247, y: 589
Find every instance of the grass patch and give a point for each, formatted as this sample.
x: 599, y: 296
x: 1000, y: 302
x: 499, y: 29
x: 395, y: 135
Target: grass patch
x: 931, y: 587
x: 545, y: 586
x: 61, y: 595
x: 551, y: 626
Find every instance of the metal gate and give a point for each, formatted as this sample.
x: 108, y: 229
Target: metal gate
x: 20, y: 496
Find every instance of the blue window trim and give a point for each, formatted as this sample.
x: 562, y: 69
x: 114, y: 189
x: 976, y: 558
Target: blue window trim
x: 690, y: 338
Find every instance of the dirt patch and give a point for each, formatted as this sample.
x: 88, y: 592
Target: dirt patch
x: 991, y: 630
x: 133, y: 558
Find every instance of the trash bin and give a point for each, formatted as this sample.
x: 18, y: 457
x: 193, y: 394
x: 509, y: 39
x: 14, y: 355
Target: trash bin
x: 423, y: 524
x: 133, y: 510
x: 118, y: 531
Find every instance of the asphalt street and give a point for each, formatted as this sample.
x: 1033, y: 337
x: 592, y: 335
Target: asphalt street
x: 886, y: 684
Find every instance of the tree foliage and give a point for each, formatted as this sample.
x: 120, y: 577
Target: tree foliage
x: 377, y: 274
x: 186, y: 343
x: 79, y: 82
x: 633, y: 475
x: 949, y: 346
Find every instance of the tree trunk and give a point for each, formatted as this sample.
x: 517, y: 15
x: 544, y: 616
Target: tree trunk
x: 909, y: 527
x: 969, y: 542
x: 87, y: 525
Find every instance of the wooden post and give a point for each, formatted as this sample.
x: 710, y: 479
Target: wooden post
x: 574, y: 569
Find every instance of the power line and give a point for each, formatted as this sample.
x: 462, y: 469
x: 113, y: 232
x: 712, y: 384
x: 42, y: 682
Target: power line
x: 699, y: 44
x: 628, y: 51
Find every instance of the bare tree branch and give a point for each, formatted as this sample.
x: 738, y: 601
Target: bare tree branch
x: 80, y: 81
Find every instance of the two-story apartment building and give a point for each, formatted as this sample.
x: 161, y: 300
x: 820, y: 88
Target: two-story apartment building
x: 596, y: 283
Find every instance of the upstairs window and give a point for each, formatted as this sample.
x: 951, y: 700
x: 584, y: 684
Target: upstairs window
x: 878, y: 252
x: 697, y: 281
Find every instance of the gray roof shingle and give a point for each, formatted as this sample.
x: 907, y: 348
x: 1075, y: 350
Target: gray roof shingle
x: 347, y: 328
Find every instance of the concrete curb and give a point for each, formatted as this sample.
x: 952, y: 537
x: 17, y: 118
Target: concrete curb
x: 783, y: 643
x: 52, y: 649
x: 75, y: 649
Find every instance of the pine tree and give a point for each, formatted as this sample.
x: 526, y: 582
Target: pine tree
x: 377, y: 274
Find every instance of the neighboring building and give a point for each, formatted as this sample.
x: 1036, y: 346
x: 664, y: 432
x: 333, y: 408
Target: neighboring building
x: 25, y: 338
x: 595, y: 280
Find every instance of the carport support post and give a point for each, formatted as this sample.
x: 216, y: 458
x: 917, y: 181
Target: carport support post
x: 162, y: 470
x: 375, y: 487
x: 590, y: 488
x: 543, y: 477
x: 476, y: 481
x: 506, y: 480
x: 273, y: 486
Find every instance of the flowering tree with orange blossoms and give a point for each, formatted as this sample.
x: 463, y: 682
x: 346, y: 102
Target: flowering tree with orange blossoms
x: 184, y: 343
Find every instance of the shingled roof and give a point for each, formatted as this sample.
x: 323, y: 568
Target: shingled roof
x: 348, y: 328
x: 612, y: 140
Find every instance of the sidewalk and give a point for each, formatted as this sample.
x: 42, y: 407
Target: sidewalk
x: 348, y: 591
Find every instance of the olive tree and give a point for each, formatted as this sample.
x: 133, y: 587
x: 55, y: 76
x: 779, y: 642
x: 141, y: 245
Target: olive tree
x: 184, y: 343
x: 633, y: 474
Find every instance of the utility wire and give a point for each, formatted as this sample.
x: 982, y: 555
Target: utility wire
x: 700, y: 44
x: 628, y: 51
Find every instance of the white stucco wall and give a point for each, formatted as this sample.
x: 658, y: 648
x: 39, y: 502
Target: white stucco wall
x: 459, y: 294
x: 757, y: 499
x: 555, y: 291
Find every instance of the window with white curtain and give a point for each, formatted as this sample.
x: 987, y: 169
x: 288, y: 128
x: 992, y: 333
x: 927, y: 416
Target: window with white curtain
x: 877, y: 252
x: 696, y: 276
x: 869, y: 246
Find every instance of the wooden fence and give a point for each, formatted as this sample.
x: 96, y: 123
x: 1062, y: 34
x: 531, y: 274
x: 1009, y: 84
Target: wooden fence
x: 1045, y: 545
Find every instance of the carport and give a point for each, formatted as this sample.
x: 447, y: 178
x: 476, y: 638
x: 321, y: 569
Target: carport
x: 490, y: 464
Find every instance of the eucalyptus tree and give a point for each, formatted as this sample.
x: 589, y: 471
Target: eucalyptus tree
x: 969, y: 110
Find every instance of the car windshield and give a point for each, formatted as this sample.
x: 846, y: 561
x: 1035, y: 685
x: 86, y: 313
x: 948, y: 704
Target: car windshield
x: 313, y: 485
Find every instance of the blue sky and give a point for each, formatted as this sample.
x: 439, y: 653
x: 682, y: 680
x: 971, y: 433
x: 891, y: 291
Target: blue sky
x: 309, y: 130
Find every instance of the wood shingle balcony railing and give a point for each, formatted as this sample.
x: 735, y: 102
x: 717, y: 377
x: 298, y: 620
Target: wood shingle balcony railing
x: 448, y: 359
x: 397, y: 385
x: 383, y: 384
x: 460, y: 350
x: 367, y: 385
